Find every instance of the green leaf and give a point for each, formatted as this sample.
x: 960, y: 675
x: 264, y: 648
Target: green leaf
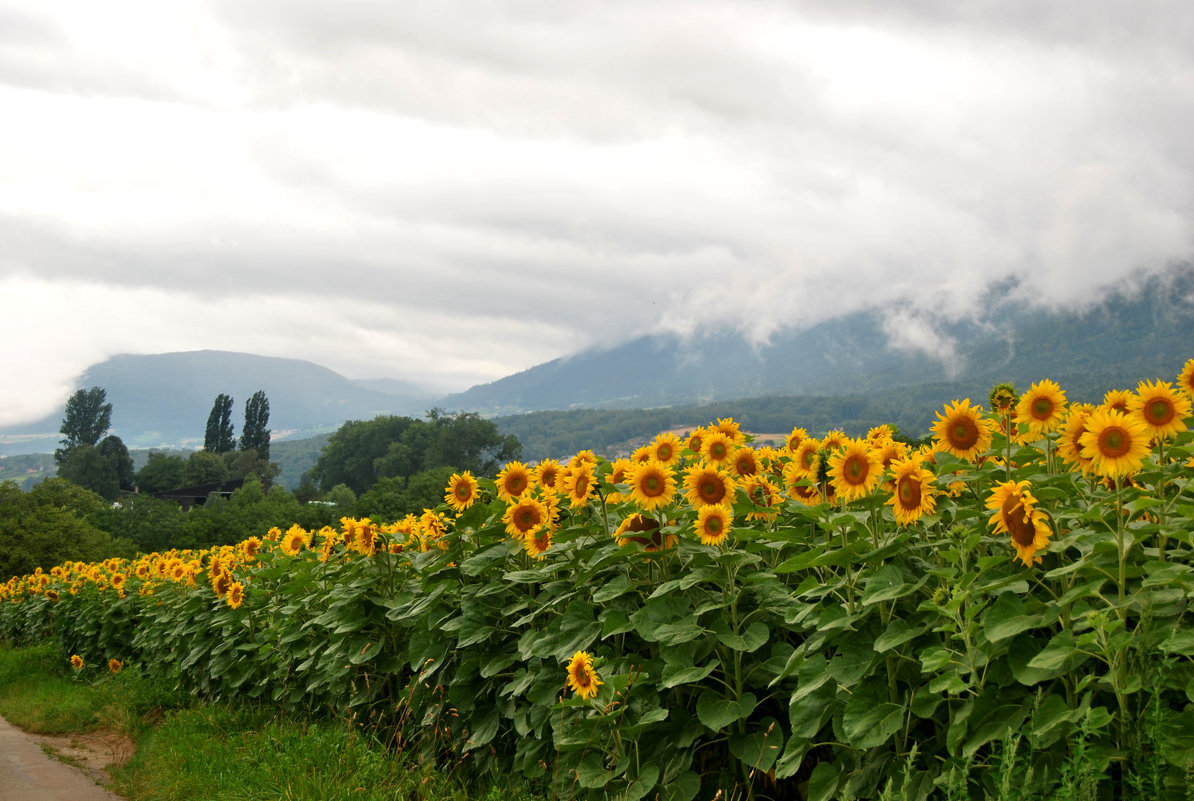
x: 897, y: 633
x: 717, y: 712
x: 617, y: 586
x: 1059, y: 655
x: 1006, y: 618
x: 886, y: 584
x: 1180, y: 642
x: 675, y: 675
x: 869, y: 719
x: 755, y: 636
x: 485, y: 730
x: 822, y: 784
x: 758, y: 749
x: 683, y: 788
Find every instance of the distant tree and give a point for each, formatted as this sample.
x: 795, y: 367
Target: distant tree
x: 161, y: 472
x: 219, y: 437
x: 349, y: 456
x: 242, y: 464
x: 113, y: 449
x: 52, y: 523
x: 87, y: 418
x: 255, y: 432
x: 204, y: 468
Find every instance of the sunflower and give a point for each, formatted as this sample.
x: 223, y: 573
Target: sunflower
x: 513, y: 481
x: 714, y: 522
x: 525, y: 517
x: 1003, y: 397
x: 579, y: 484
x: 853, y: 470
x: 717, y: 447
x: 118, y: 580
x: 706, y: 484
x: 643, y: 453
x: 833, y: 440
x: 666, y: 448
x: 1016, y: 515
x: 913, y: 493
x: 1069, y: 444
x: 236, y: 595
x: 462, y: 491
x: 763, y: 494
x: 582, y: 678
x: 729, y: 427
x: 1041, y: 409
x: 805, y: 461
x: 794, y: 439
x: 1185, y: 379
x: 889, y: 451
x: 250, y: 547
x: 537, y: 542
x: 115, y: 666
x: 76, y: 662
x: 695, y: 439
x: 1160, y: 407
x: 52, y: 595
x: 294, y: 540
x: 1117, y: 399
x: 221, y: 582
x: 582, y: 458
x: 1116, y: 443
x: 880, y: 433
x: 652, y: 485
x: 962, y: 431
x: 745, y: 461
x: 547, y: 475
x: 644, y: 531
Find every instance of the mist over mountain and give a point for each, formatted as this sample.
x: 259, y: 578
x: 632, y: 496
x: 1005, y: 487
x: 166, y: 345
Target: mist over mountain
x: 1142, y: 331
x: 1147, y: 330
x: 164, y: 399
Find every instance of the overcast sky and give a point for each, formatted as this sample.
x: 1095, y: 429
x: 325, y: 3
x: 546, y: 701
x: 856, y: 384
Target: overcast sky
x: 449, y: 192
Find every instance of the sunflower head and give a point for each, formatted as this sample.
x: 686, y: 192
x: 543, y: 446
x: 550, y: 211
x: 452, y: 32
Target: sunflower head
x: 717, y: 447
x: 1161, y: 408
x: 962, y: 430
x: 1016, y: 514
x: 666, y: 448
x: 912, y: 491
x: 1117, y: 399
x: 547, y: 475
x: 236, y: 595
x: 652, y: 485
x: 1003, y: 397
x: 462, y: 491
x: 513, y: 481
x: 714, y: 522
x: 582, y: 677
x: 706, y: 484
x: 854, y: 471
x: 525, y: 517
x: 1185, y: 379
x: 644, y: 531
x: 76, y: 662
x: 794, y: 439
x: 115, y: 666
x: 1116, y: 443
x: 579, y: 484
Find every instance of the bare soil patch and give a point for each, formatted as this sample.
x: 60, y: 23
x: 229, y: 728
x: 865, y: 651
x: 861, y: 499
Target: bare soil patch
x: 93, y: 752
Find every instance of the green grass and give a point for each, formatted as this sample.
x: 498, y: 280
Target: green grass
x: 217, y: 752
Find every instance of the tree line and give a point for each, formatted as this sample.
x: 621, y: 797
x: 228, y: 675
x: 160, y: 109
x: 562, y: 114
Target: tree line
x: 98, y: 507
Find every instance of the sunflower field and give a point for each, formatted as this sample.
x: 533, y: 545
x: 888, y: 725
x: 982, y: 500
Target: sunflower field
x: 1001, y: 613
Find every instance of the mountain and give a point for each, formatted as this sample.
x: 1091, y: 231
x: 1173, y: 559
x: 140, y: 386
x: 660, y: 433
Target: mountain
x: 1142, y: 331
x: 164, y: 399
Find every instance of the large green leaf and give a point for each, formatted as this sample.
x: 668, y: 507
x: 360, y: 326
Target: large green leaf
x: 717, y: 712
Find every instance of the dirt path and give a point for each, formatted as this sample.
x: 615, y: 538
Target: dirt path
x: 28, y: 773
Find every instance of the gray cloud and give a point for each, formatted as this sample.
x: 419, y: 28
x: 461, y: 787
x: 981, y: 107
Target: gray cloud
x: 570, y: 173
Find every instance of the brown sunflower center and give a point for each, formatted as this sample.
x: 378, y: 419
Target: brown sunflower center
x: 714, y: 526
x: 652, y: 485
x: 516, y: 484
x: 711, y: 488
x: 717, y: 450
x: 581, y: 676
x: 1017, y: 521
x: 1114, y: 442
x: 463, y: 492
x: 854, y: 470
x: 963, y: 433
x: 527, y: 518
x: 908, y: 489
x: 664, y: 452
x: 746, y: 466
x: 1042, y: 408
x: 1159, y: 411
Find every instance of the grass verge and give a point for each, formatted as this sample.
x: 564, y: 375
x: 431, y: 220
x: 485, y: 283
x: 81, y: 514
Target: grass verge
x: 216, y: 752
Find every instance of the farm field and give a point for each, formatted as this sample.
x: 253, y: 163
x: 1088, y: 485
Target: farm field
x: 1000, y: 614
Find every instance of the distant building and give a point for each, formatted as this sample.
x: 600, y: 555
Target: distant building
x: 197, y: 495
